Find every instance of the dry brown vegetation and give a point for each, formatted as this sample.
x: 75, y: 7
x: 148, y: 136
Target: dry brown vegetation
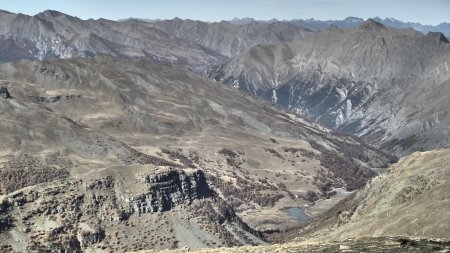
x: 342, y: 166
x: 176, y: 154
x: 26, y: 170
x: 246, y: 192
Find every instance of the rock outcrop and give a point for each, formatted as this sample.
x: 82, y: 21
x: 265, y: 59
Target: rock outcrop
x: 49, y: 217
x: 4, y: 93
x: 170, y: 189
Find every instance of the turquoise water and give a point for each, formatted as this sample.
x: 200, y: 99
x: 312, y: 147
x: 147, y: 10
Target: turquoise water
x: 298, y: 213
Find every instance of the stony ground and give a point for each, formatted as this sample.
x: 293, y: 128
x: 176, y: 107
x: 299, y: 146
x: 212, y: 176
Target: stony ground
x: 378, y: 245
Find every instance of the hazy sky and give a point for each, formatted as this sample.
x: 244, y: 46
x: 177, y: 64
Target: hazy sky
x: 423, y: 11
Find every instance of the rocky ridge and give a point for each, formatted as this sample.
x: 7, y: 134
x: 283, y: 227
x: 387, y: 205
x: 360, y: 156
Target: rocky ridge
x: 372, y: 245
x: 184, y: 43
x: 351, y: 22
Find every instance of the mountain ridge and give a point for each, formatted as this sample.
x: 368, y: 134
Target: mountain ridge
x: 343, y: 77
x: 353, y: 22
x: 185, y: 43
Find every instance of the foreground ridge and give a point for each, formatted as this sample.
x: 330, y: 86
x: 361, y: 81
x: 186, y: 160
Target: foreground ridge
x: 375, y: 244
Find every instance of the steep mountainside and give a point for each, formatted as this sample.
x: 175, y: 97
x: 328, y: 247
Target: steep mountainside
x: 368, y: 245
x: 386, y: 85
x: 192, y: 44
x: 401, y: 210
x: 229, y: 39
x: 113, y: 154
x: 410, y: 199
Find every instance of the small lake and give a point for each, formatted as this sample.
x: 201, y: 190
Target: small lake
x: 298, y: 213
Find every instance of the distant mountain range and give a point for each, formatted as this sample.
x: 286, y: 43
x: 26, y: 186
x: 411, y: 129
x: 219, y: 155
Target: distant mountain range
x: 351, y: 22
x: 190, y: 44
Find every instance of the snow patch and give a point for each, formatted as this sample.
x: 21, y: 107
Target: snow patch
x: 236, y: 84
x: 274, y: 96
x: 348, y: 111
x: 342, y: 94
x: 339, y: 118
x: 355, y: 46
x: 446, y: 67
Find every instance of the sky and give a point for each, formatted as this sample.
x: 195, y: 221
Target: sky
x: 430, y: 12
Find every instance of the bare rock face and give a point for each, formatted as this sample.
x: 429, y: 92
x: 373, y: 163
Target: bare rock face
x: 4, y: 93
x: 170, y: 189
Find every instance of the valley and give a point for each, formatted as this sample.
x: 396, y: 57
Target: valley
x: 179, y: 135
x: 112, y: 134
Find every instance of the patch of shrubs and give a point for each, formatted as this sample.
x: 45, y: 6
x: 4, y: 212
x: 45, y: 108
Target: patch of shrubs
x: 246, y: 192
x: 178, y: 155
x: 311, y: 196
x: 274, y: 152
x: 231, y: 157
x: 18, y: 178
x: 303, y: 152
x: 228, y: 153
x: 141, y: 158
x: 343, y: 166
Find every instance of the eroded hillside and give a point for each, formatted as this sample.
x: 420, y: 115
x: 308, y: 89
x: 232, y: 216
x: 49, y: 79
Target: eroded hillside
x: 185, y: 43
x: 383, y: 84
x: 401, y: 210
x: 132, y: 144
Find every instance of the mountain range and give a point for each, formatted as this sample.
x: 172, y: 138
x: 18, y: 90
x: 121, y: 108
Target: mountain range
x: 311, y: 136
x: 352, y: 22
x: 133, y: 141
x: 190, y: 44
x: 383, y: 84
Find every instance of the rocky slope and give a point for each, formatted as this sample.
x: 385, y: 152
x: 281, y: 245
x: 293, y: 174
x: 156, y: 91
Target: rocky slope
x: 383, y: 84
x: 410, y: 199
x: 127, y: 154
x: 186, y: 43
x: 372, y: 245
x: 229, y: 39
x: 401, y: 210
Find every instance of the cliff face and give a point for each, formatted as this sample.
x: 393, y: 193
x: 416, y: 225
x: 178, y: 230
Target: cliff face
x: 171, y: 189
x: 74, y: 215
